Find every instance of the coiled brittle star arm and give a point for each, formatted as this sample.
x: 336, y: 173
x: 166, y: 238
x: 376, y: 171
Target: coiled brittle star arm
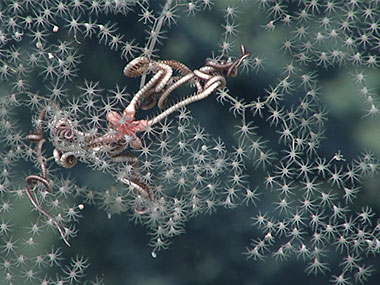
x: 33, y: 181
x: 207, y: 79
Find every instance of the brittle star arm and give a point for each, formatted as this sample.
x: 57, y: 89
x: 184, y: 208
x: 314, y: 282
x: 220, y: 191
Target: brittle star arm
x: 196, y: 97
x: 212, y: 74
x: 136, y: 68
x: 31, y: 180
x: 163, y: 99
x: 130, y: 110
x: 42, y: 211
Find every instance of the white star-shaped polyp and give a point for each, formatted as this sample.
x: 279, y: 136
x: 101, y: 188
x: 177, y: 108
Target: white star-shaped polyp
x: 122, y: 120
x: 128, y: 139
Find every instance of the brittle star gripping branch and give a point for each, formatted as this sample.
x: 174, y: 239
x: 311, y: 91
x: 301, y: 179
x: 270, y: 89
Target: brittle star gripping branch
x: 122, y: 132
